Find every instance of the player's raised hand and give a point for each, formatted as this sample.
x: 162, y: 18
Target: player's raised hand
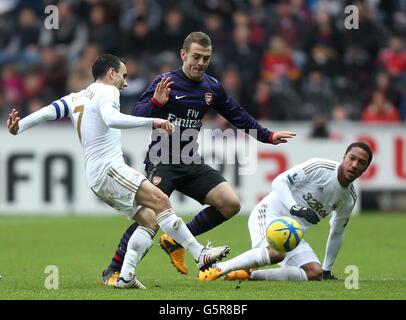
x: 164, y: 125
x: 281, y: 136
x: 12, y: 122
x: 162, y: 91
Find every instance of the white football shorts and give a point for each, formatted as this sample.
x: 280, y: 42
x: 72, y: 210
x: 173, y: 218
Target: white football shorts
x: 119, y: 188
x: 260, y: 218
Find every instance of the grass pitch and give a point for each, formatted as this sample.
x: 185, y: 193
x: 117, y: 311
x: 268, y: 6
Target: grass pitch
x: 81, y: 247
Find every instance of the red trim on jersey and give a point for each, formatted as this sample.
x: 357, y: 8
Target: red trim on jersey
x: 271, y: 137
x: 118, y: 258
x: 156, y: 102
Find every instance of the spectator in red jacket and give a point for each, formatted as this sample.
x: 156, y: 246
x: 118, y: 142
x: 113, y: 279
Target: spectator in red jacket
x: 380, y: 110
x: 393, y: 58
x: 277, y: 62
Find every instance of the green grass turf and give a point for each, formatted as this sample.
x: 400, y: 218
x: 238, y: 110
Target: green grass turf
x: 81, y: 248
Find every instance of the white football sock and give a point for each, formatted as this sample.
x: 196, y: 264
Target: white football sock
x: 253, y: 258
x: 285, y: 273
x: 174, y: 226
x: 138, y: 245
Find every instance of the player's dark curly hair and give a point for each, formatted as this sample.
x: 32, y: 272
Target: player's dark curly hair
x: 196, y: 37
x: 363, y: 146
x: 103, y: 64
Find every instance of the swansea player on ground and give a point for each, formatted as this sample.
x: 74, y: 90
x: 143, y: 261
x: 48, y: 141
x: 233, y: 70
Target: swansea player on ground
x: 308, y: 192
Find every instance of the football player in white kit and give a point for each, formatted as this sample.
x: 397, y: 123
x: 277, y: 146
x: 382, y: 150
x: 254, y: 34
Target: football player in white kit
x: 95, y: 113
x: 308, y: 192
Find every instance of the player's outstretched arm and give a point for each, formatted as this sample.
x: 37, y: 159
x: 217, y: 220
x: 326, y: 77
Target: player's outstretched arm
x: 241, y: 119
x: 333, y: 246
x: 16, y: 125
x: 115, y: 119
x: 281, y: 136
x: 13, y: 122
x: 334, y: 241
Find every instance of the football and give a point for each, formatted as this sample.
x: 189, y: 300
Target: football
x: 284, y: 234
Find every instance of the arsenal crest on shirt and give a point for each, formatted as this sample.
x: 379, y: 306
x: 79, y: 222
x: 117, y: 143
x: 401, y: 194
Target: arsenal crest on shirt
x: 208, y: 97
x: 156, y: 180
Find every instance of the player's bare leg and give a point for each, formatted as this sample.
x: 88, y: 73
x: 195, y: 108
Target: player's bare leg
x: 224, y: 199
x: 150, y: 196
x: 224, y: 204
x: 220, y: 197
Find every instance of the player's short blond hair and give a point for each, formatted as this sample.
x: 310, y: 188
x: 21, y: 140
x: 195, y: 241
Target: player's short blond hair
x: 196, y: 37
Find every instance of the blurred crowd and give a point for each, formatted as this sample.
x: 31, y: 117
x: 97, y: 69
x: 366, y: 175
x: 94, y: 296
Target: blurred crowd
x: 282, y: 60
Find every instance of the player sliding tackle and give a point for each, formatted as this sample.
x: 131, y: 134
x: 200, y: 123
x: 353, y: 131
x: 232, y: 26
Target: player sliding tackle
x: 309, y: 191
x: 95, y: 113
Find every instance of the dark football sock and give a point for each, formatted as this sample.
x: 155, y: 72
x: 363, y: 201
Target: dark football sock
x: 205, y: 220
x: 117, y: 261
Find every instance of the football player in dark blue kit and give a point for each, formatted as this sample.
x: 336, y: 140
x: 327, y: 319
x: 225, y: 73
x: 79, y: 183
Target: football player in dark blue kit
x: 184, y: 96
